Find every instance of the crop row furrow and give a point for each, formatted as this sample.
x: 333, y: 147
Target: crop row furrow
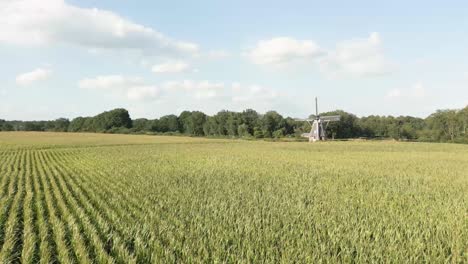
x: 96, y: 246
x: 7, y: 200
x: 11, y: 231
x: 58, y: 227
x: 135, y: 208
x: 47, y: 247
x: 29, y: 233
x: 96, y: 210
x: 145, y: 240
x: 77, y: 241
x: 8, y: 162
x: 110, y: 187
x: 8, y: 175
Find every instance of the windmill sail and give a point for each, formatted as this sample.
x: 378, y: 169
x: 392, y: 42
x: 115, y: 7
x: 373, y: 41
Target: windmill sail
x: 317, y: 131
x: 330, y: 118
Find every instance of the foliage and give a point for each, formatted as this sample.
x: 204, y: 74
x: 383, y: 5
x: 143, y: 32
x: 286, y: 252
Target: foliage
x: 442, y: 126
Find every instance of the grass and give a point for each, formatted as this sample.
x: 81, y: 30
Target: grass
x: 81, y: 198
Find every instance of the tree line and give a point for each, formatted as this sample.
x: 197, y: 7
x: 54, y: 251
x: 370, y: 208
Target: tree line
x: 441, y: 126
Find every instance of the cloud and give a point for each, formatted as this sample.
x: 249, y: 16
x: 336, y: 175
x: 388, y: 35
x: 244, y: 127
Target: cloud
x: 357, y: 57
x: 197, y: 89
x: 283, y: 50
x: 133, y: 88
x: 252, y: 93
x: 143, y: 93
x: 39, y: 22
x: 415, y: 91
x: 28, y: 78
x: 188, y: 91
x: 171, y: 67
x: 110, y: 82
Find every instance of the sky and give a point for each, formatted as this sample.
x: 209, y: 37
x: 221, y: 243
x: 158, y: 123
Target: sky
x: 82, y: 57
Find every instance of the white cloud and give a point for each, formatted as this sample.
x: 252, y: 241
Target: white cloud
x: 36, y: 22
x: 28, y: 78
x: 357, y: 57
x: 133, y: 88
x: 415, y: 91
x: 110, y: 82
x: 186, y: 92
x: 171, y: 67
x: 252, y: 93
x: 142, y: 93
x: 198, y: 89
x: 283, y: 50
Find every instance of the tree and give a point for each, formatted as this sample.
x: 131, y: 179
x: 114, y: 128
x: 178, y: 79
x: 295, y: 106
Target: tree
x: 76, y: 124
x: 271, y: 122
x: 258, y: 132
x: 279, y: 133
x: 114, y: 119
x: 462, y: 116
x: 141, y: 125
x: 243, y: 131
x: 193, y: 122
x: 5, y: 126
x: 169, y: 123
x: 196, y: 123
x: 290, y: 126
x: 232, y: 123
x: 61, y: 125
x: 210, y: 126
x: 184, y: 118
x: 34, y: 126
x: 444, y: 125
x: 250, y: 118
x: 117, y: 118
x: 219, y: 123
x: 347, y: 127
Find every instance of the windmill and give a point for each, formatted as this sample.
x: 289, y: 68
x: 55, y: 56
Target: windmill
x: 317, y: 131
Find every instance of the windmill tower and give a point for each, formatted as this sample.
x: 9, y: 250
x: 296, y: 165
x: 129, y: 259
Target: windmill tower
x: 317, y: 131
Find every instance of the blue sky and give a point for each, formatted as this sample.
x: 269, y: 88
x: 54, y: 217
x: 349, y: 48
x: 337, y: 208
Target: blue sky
x: 78, y: 58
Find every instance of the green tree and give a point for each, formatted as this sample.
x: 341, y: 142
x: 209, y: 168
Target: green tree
x: 193, y: 122
x: 243, y: 131
x: 232, y: 124
x: 250, y: 118
x: 278, y: 133
x: 61, y: 125
x: 169, y: 123
x: 347, y: 127
x: 141, y: 125
x: 271, y: 122
x: 444, y: 125
x: 258, y: 132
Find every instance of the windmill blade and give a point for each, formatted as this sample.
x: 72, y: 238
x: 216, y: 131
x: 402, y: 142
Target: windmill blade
x: 330, y: 118
x: 304, y: 119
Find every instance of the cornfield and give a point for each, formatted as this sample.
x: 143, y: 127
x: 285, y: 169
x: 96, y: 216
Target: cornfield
x: 89, y: 198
